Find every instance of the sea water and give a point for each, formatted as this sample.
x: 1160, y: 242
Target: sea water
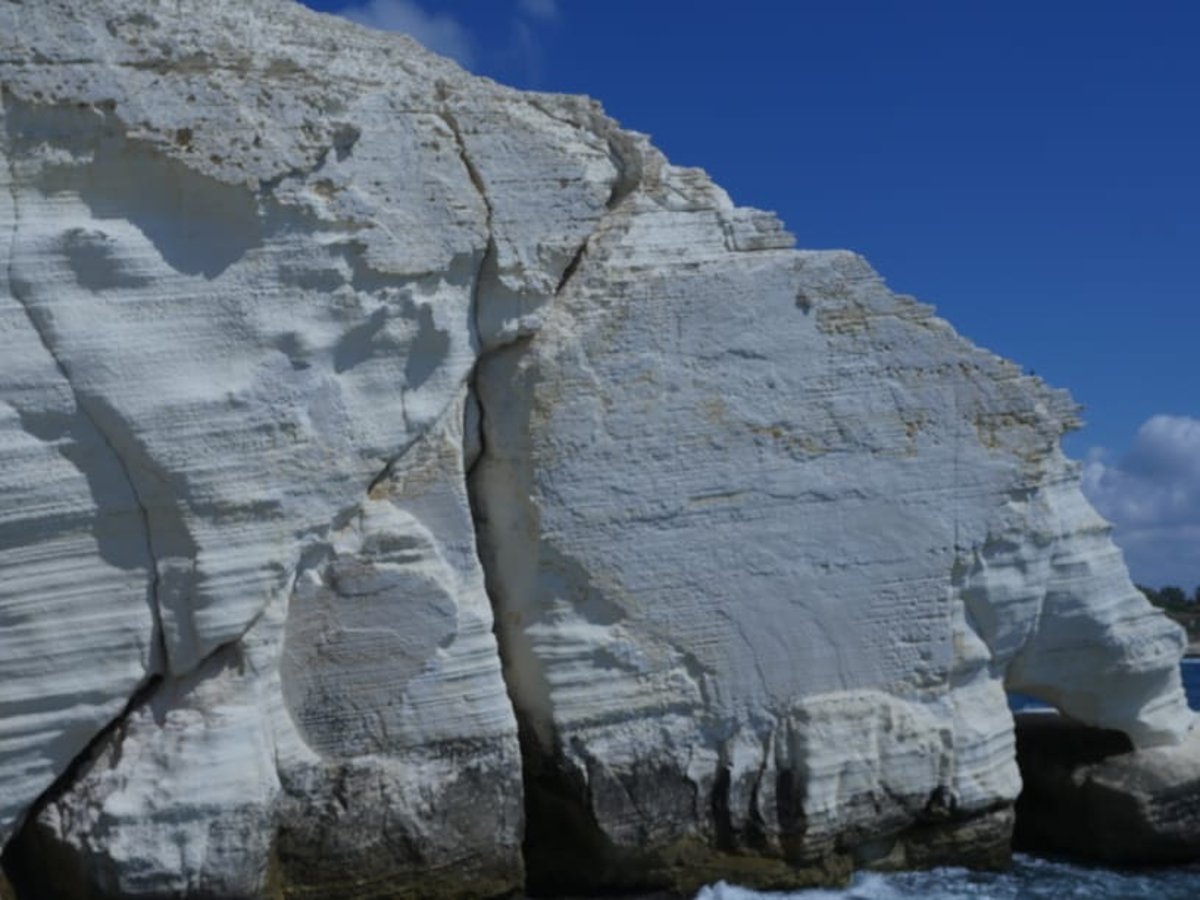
x: 1029, y: 878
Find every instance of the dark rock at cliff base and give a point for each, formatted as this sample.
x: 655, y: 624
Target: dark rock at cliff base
x: 1088, y: 793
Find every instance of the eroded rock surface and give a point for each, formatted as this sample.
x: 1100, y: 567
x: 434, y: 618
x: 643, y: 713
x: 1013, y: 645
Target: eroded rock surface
x: 229, y: 334
x: 320, y: 359
x: 795, y: 537
x: 1089, y: 793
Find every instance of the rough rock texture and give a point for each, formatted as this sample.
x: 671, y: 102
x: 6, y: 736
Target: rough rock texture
x: 316, y: 351
x: 235, y: 352
x: 1088, y: 793
x: 794, y: 539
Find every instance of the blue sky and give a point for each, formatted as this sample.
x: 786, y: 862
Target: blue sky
x: 1031, y: 169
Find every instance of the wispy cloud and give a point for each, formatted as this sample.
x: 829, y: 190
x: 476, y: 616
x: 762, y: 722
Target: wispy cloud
x: 440, y: 32
x: 539, y: 9
x: 523, y: 54
x: 1152, y: 497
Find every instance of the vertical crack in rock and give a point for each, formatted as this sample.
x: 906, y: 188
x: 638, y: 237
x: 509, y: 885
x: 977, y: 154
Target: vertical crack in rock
x: 719, y: 803
x: 159, y: 658
x: 533, y: 759
x: 562, y: 832
x: 486, y: 260
x: 555, y: 817
x: 755, y: 835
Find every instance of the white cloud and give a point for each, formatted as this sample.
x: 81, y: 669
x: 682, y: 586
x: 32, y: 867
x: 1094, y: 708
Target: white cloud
x: 1152, y: 497
x: 539, y: 9
x: 439, y: 32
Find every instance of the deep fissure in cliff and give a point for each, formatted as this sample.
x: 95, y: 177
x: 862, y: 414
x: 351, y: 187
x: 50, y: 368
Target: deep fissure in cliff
x: 561, y: 837
x: 563, y: 847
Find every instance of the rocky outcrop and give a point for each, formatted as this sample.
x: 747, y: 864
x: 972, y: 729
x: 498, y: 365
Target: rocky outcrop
x: 794, y: 538
x: 236, y: 353
x: 415, y: 487
x: 1089, y: 793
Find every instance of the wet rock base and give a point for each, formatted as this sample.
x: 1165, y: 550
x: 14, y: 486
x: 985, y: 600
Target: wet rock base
x: 1089, y: 794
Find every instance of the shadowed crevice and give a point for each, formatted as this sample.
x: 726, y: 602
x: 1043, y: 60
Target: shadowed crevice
x: 39, y: 868
x: 41, y: 863
x: 565, y: 850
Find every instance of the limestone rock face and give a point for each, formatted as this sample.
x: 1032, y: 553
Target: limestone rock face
x: 795, y: 537
x: 398, y: 468
x: 235, y: 352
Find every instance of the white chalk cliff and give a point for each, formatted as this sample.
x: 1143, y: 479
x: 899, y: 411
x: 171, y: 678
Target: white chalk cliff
x: 396, y: 467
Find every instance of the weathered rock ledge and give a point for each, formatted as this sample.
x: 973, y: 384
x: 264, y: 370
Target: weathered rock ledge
x: 416, y: 487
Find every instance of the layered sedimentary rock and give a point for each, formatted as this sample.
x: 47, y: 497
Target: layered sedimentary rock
x: 795, y: 537
x: 399, y: 468
x: 236, y: 351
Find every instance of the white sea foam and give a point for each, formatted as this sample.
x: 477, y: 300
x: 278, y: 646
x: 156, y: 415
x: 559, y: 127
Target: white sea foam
x: 1030, y: 878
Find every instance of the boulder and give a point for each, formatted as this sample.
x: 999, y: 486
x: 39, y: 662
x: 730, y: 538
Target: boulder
x: 1089, y: 793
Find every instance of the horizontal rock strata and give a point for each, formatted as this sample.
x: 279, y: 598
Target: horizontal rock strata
x: 415, y: 487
